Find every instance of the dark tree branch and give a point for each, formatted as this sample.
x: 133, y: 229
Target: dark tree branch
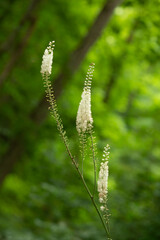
x: 17, y: 53
x: 94, y: 33
x: 38, y: 115
x: 6, y: 11
x: 28, y: 16
x: 11, y: 43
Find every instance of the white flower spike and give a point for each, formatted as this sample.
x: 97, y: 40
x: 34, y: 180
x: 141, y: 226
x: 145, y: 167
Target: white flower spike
x: 84, y: 116
x: 103, y: 179
x: 47, y: 60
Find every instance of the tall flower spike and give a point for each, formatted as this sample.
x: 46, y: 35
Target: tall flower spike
x: 47, y: 60
x: 84, y: 119
x: 103, y: 179
x: 46, y: 69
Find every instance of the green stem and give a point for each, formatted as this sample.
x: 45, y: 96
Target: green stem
x: 83, y: 145
x: 94, y: 164
x: 87, y: 189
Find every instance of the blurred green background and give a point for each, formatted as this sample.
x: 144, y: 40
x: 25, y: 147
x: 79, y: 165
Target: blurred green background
x: 41, y: 197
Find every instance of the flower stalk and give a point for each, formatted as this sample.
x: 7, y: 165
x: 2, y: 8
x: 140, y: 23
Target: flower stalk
x: 84, y: 125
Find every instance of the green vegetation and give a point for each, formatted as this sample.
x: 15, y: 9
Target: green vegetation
x: 41, y: 197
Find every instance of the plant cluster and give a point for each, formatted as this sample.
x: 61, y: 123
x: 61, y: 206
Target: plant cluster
x: 84, y: 125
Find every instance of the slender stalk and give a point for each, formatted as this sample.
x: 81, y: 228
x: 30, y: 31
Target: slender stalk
x: 100, y: 216
x: 86, y: 187
x: 83, y: 146
x: 94, y: 164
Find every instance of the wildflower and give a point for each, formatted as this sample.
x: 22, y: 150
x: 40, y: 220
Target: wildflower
x: 103, y: 178
x: 47, y: 60
x: 84, y: 116
x: 46, y: 69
